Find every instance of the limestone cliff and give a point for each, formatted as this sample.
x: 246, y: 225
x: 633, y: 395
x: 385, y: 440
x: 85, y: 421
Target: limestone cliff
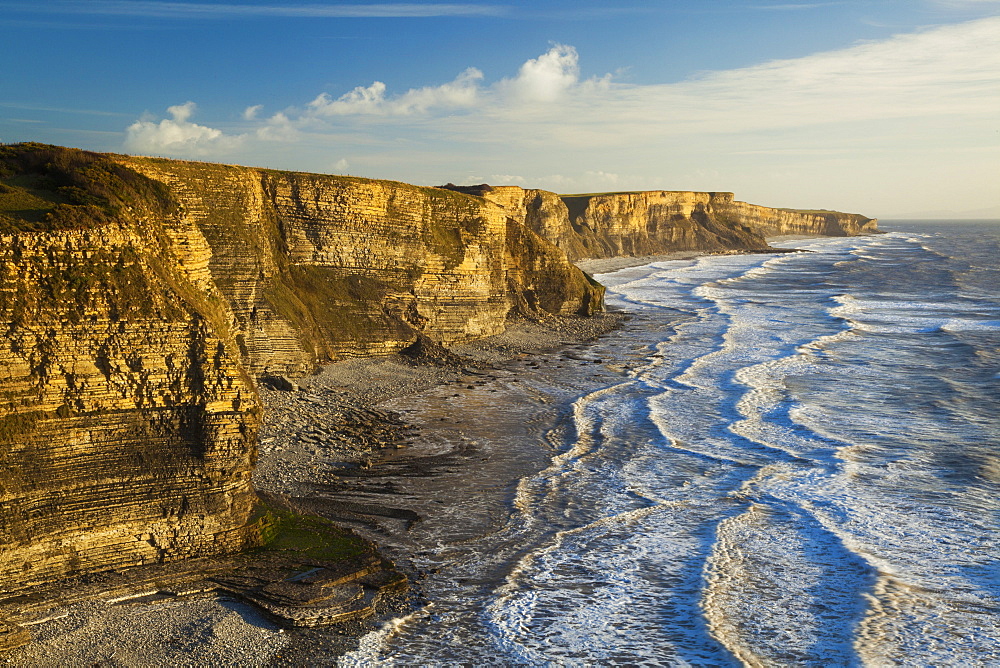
x: 648, y: 223
x: 127, y: 427
x: 776, y: 222
x: 139, y: 297
x: 317, y: 267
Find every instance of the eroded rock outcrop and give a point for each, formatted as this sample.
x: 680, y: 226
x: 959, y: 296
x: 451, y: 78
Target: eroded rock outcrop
x: 318, y: 267
x: 772, y: 222
x: 127, y: 427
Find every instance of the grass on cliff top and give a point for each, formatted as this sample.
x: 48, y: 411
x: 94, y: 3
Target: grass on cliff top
x: 47, y: 188
x: 639, y: 192
x: 614, y: 192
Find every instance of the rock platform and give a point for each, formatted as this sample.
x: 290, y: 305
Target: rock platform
x: 285, y: 584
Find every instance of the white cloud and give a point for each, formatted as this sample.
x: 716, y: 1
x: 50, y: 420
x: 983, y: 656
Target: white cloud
x: 908, y: 110
x: 181, y: 112
x: 494, y: 179
x: 462, y: 93
x: 178, y: 136
x: 952, y: 71
x: 546, y: 78
x: 604, y: 178
x: 361, y: 100
x: 543, y: 80
x: 250, y: 113
x: 278, y: 128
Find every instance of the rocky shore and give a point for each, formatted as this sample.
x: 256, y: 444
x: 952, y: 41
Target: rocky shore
x: 375, y: 444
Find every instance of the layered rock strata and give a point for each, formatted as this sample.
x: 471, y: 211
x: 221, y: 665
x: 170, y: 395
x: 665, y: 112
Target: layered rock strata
x: 772, y: 222
x: 316, y: 268
x: 649, y: 223
x: 140, y: 297
x: 127, y: 426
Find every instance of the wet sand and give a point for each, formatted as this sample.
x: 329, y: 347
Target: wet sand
x: 607, y: 265
x: 472, y: 428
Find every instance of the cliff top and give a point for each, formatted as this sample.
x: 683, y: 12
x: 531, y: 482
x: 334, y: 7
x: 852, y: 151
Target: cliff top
x: 50, y: 188
x: 643, y: 192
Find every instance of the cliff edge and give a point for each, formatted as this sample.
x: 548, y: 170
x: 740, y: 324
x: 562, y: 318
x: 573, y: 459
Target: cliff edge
x: 652, y: 222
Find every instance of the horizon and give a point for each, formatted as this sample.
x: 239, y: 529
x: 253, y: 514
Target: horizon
x: 940, y: 218
x: 885, y: 109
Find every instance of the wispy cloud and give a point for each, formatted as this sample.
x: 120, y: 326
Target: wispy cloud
x: 178, y: 136
x: 185, y: 10
x: 796, y: 6
x: 551, y: 77
x: 60, y: 110
x: 462, y: 93
x: 964, y: 4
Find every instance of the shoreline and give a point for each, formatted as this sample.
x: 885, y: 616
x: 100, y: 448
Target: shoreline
x: 354, y: 424
x: 609, y: 264
x: 396, y: 449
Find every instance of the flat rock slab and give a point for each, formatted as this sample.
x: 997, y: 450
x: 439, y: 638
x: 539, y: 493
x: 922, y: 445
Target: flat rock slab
x: 297, y: 593
x: 340, y: 572
x: 291, y: 592
x: 12, y: 636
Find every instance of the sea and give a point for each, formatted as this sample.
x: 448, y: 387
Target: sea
x: 799, y: 466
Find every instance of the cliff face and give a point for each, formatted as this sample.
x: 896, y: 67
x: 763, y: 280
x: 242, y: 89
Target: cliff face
x: 648, y: 223
x: 776, y: 222
x: 317, y: 267
x: 127, y: 428
x: 139, y: 297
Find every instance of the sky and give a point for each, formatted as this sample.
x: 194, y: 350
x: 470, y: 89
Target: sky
x: 889, y: 108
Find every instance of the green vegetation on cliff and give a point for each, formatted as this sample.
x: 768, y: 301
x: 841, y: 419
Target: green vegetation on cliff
x: 306, y: 536
x: 49, y: 188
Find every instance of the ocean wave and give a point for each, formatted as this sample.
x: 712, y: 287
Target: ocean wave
x: 796, y: 473
x: 893, y: 316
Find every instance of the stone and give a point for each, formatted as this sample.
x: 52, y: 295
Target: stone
x: 12, y: 636
x: 280, y: 383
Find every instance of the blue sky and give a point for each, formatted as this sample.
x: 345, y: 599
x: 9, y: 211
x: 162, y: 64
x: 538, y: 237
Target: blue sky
x: 883, y: 107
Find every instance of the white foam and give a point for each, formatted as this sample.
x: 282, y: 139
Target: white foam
x: 895, y: 316
x: 765, y: 485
